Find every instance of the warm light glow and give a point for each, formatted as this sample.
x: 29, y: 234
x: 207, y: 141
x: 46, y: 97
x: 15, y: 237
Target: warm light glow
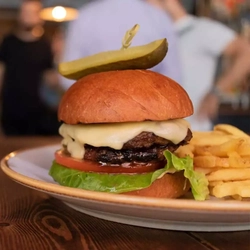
x: 38, y: 31
x: 59, y: 13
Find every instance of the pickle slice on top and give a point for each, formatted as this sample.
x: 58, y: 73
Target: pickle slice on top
x: 137, y: 57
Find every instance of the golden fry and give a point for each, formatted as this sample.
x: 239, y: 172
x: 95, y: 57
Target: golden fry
x: 221, y: 150
x: 237, y: 197
x: 211, y: 162
x: 215, y: 183
x: 236, y: 161
x: 244, y: 149
x: 201, y: 150
x: 205, y: 170
x: 186, y: 150
x: 232, y: 174
x: 231, y: 130
x: 236, y: 189
x: 210, y: 138
x: 225, y: 148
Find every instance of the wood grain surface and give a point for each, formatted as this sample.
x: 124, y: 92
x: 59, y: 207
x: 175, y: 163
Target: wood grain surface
x: 30, y: 220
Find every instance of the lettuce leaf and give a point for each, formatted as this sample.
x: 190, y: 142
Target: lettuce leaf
x: 120, y: 183
x: 198, y: 181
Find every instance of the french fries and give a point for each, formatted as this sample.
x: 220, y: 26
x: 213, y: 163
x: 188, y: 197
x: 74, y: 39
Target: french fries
x: 186, y: 150
x: 231, y: 130
x: 210, y: 138
x: 231, y: 174
x: 236, y: 189
x: 223, y: 155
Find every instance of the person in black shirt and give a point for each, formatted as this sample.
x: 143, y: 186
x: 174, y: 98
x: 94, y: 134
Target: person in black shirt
x: 26, y: 61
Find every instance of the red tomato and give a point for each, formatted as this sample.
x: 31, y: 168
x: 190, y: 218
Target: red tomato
x: 90, y: 166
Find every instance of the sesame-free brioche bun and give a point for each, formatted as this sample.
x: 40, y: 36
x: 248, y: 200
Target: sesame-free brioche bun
x: 169, y: 186
x: 124, y: 96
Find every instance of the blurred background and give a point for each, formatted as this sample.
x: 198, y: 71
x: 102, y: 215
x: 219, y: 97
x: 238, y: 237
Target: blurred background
x: 35, y: 47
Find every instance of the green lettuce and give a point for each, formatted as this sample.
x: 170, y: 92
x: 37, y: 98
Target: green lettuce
x: 198, y: 181
x: 120, y: 183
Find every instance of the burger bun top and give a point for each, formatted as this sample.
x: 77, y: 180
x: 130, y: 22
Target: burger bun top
x: 124, y: 96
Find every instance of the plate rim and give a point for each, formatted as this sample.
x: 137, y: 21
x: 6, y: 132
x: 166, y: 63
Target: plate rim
x: 122, y: 199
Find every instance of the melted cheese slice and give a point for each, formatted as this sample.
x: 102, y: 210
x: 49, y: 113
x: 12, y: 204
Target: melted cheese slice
x: 115, y: 135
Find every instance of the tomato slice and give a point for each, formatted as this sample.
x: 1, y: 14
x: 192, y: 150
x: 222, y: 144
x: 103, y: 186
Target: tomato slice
x: 91, y: 166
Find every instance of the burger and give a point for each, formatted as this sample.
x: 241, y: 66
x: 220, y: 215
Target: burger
x: 120, y: 130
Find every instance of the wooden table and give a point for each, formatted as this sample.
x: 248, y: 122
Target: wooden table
x: 30, y: 220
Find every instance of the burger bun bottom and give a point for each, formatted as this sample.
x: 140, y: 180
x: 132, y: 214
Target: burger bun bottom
x: 169, y: 186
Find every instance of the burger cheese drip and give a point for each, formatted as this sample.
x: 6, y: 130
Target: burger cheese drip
x: 117, y: 134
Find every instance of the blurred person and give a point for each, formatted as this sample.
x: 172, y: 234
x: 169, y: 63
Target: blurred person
x: 51, y: 95
x: 101, y: 26
x: 26, y: 61
x: 201, y: 42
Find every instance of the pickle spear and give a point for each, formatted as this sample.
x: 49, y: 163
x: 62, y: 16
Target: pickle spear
x: 137, y: 57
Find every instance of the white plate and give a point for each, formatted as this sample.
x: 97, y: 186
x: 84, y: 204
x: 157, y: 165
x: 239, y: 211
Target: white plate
x: 30, y: 168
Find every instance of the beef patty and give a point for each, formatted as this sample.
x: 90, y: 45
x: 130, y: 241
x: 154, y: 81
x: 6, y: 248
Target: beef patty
x: 145, y: 147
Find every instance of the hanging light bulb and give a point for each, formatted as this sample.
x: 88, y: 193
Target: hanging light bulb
x: 59, y: 14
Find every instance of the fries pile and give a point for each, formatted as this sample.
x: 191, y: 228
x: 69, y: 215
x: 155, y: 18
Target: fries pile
x: 223, y: 155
